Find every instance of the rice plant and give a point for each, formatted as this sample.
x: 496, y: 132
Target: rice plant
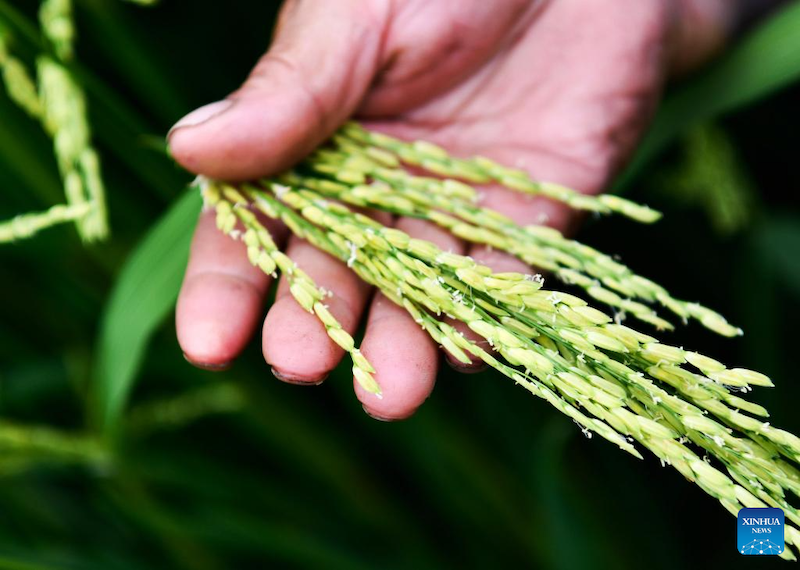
x: 57, y: 101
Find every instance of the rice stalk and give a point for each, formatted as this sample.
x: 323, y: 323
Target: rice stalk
x: 57, y: 101
x: 612, y: 380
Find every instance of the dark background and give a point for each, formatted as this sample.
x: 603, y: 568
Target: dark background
x: 484, y: 476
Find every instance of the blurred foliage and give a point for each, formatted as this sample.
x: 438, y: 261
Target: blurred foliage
x: 241, y: 471
x: 710, y: 177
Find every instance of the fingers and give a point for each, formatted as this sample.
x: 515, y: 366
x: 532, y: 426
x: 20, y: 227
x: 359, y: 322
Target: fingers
x: 404, y: 356
x: 294, y: 341
x: 314, y: 76
x: 221, y: 299
x: 405, y: 359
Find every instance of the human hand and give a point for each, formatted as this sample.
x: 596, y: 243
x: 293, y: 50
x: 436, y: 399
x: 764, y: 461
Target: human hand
x: 562, y: 89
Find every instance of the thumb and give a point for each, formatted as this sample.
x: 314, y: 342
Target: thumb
x: 318, y: 69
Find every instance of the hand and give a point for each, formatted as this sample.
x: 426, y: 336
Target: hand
x: 560, y: 88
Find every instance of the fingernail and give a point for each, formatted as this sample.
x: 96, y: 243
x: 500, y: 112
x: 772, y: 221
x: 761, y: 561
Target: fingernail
x: 201, y: 115
x: 212, y: 366
x: 375, y: 416
x: 464, y: 368
x: 298, y: 380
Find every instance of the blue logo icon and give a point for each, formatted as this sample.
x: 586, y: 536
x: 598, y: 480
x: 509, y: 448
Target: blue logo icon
x: 760, y: 531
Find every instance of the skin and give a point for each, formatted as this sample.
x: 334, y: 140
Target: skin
x: 561, y: 88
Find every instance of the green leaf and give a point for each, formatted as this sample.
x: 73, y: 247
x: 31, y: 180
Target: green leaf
x: 144, y: 294
x: 764, y: 61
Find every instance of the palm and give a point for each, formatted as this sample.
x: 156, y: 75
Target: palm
x: 566, y: 98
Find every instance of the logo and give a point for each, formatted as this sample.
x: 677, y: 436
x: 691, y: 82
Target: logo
x: 760, y: 531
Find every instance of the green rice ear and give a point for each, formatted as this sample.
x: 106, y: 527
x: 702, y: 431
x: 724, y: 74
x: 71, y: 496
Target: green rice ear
x: 610, y: 379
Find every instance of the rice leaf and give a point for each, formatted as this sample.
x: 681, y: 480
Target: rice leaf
x: 144, y: 294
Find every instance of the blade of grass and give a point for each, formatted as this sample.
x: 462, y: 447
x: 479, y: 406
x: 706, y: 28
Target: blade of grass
x: 144, y: 294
